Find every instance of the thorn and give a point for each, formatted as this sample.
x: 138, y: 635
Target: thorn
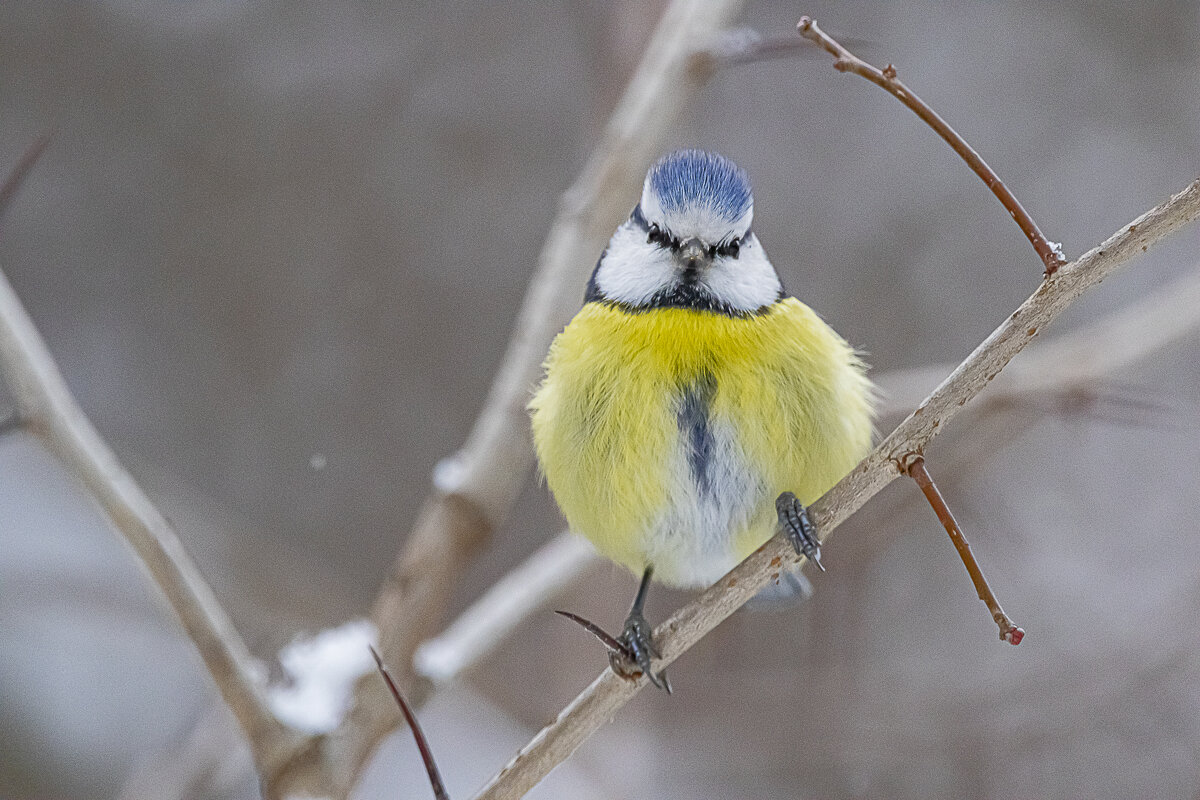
x: 435, y: 777
x: 613, y: 644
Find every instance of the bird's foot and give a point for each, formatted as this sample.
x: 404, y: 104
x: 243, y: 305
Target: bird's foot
x: 793, y: 519
x: 637, y: 650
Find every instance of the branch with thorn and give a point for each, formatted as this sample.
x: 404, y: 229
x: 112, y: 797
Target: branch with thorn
x: 600, y: 701
x: 1069, y: 366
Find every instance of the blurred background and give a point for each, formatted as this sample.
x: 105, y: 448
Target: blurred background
x: 277, y: 249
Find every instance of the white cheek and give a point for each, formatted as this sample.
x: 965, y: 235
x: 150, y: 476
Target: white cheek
x: 748, y: 282
x: 633, y: 270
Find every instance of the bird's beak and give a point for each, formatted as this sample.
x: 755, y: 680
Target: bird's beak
x: 693, y: 255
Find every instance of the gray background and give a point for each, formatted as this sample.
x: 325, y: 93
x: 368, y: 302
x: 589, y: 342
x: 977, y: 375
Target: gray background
x: 267, y: 231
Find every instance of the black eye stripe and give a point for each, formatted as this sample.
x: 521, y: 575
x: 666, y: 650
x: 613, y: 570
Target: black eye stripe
x: 657, y: 235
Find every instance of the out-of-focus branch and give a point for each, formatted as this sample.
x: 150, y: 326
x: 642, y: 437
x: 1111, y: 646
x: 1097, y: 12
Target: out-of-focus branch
x: 475, y: 489
x: 845, y: 61
x: 47, y: 408
x: 16, y: 177
x: 1075, y: 360
x: 600, y: 701
x: 534, y: 584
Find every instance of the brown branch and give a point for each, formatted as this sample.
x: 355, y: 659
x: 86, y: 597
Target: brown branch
x: 16, y: 177
x: 600, y: 701
x: 435, y: 777
x: 845, y: 61
x: 916, y: 470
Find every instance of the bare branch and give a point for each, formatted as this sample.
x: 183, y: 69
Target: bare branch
x: 1008, y: 631
x: 16, y: 177
x: 48, y: 409
x: 845, y: 61
x: 600, y: 701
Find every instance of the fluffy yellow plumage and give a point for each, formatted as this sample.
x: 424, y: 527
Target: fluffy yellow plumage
x: 650, y: 422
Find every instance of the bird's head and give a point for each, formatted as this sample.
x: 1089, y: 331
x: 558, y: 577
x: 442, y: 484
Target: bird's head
x: 688, y: 243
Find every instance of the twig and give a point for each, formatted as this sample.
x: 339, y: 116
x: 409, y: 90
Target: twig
x: 49, y: 410
x: 845, y: 61
x: 435, y: 777
x: 917, y: 471
x: 600, y: 701
x: 476, y: 489
x: 16, y: 177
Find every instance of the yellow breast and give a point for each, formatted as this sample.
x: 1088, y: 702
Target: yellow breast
x: 665, y: 435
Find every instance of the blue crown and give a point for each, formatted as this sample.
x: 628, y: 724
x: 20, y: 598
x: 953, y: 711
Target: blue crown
x: 690, y: 178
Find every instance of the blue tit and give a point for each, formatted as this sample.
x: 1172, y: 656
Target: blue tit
x: 692, y: 405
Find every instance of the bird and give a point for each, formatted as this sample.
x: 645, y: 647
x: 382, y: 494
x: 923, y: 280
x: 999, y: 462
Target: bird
x: 692, y: 407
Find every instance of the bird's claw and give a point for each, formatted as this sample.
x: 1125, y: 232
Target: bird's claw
x: 793, y: 520
x: 638, y: 649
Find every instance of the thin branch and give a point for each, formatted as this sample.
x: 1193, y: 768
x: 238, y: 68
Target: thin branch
x: 845, y: 61
x: 1008, y: 631
x: 49, y: 411
x: 435, y: 777
x: 16, y: 177
x: 476, y: 488
x: 600, y: 701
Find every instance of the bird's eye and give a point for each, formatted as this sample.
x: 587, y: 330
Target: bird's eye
x: 731, y: 248
x: 656, y: 236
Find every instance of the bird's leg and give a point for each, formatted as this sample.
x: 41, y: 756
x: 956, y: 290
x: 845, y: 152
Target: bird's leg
x: 793, y: 520
x: 638, y: 641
